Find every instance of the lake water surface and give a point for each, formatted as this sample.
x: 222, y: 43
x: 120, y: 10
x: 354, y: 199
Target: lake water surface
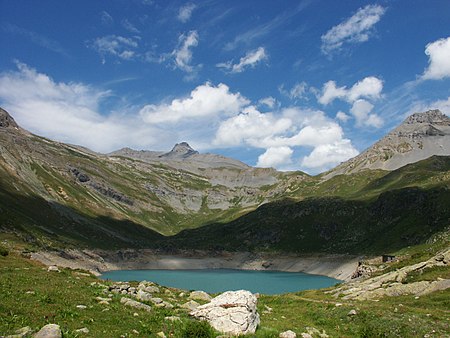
x: 219, y: 280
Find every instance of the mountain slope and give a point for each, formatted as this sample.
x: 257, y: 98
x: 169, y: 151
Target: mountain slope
x: 420, y: 136
x: 60, y: 194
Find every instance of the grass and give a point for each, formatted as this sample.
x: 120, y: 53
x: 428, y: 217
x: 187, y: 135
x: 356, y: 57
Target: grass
x: 32, y: 296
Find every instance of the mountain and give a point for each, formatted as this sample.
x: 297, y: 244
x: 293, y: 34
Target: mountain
x: 58, y: 195
x: 420, y: 136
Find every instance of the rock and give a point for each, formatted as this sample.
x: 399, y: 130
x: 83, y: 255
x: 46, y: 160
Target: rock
x: 81, y: 307
x: 83, y: 330
x: 313, y: 332
x: 351, y: 313
x: 306, y: 335
x: 53, y: 268
x: 143, y: 295
x: 101, y: 299
x: 103, y: 302
x: 49, y: 331
x: 156, y: 300
x: 130, y: 302
x: 22, y: 332
x: 288, y: 334
x: 152, y: 289
x: 200, y: 295
x: 161, y: 334
x: 232, y: 312
x: 190, y: 305
x: 338, y: 304
x: 173, y: 318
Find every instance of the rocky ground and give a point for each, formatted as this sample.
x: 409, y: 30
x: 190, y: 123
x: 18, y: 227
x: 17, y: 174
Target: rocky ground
x: 336, y: 266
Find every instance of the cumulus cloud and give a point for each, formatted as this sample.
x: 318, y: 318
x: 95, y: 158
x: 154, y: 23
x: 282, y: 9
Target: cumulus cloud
x: 268, y: 101
x: 439, y: 60
x: 251, y: 59
x: 341, y: 116
x: 119, y: 46
x: 183, y: 53
x: 369, y: 87
x: 356, y: 29
x: 185, y: 12
x: 361, y: 110
x: 68, y: 112
x: 321, y: 157
x: 274, y: 157
x: 290, y: 129
x: 205, y: 100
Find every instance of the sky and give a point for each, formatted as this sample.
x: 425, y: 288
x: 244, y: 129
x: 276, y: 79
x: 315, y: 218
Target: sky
x: 294, y: 85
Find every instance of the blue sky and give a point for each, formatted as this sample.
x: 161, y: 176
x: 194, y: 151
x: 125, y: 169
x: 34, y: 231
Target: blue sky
x: 285, y: 84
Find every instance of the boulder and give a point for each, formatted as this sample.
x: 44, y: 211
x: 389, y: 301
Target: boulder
x: 190, y: 305
x: 232, y: 312
x: 49, y: 331
x: 132, y: 303
x: 143, y: 295
x: 200, y: 295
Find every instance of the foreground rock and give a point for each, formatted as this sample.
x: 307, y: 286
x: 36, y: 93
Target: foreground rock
x: 49, y: 331
x: 232, y: 312
x: 137, y: 305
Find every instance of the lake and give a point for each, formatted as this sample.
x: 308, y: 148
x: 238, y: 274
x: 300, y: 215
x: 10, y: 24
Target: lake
x: 219, y: 280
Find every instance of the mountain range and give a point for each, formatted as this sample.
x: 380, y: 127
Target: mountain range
x: 395, y: 193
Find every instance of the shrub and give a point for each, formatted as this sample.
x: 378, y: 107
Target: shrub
x: 3, y: 251
x: 197, y: 329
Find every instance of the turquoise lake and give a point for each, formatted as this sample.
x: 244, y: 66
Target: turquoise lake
x: 219, y: 280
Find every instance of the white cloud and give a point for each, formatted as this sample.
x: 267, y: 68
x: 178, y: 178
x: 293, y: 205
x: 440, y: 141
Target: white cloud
x: 439, y: 60
x: 341, y: 116
x: 291, y: 128
x: 369, y: 87
x: 268, y: 101
x: 274, y: 157
x: 130, y: 27
x: 251, y: 59
x: 355, y: 29
x: 250, y: 127
x: 183, y: 54
x: 106, y: 18
x: 361, y: 110
x: 325, y: 156
x: 185, y: 12
x: 68, y: 112
x: 205, y: 100
x: 298, y: 91
x: 119, y: 46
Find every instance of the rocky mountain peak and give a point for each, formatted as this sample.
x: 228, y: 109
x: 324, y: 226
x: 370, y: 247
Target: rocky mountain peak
x: 430, y: 117
x: 180, y: 150
x: 6, y: 121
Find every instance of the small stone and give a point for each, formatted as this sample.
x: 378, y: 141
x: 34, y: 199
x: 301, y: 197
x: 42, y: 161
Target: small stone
x: 338, y: 304
x: 156, y: 300
x: 49, y: 331
x: 22, y: 332
x: 161, y: 334
x: 143, y: 295
x: 151, y: 289
x: 81, y: 307
x: 53, y: 268
x: 103, y: 302
x: 306, y: 335
x: 101, y: 299
x: 83, y: 330
x: 30, y: 292
x: 173, y: 318
x: 352, y: 313
x: 135, y: 314
x: 288, y: 334
x: 135, y: 331
x: 182, y: 294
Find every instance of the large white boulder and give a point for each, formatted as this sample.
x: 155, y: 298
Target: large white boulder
x: 232, y: 312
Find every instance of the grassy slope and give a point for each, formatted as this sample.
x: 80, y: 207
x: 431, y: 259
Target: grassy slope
x: 56, y: 295
x: 394, y: 210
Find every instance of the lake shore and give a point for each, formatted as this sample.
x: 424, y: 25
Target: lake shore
x: 97, y: 261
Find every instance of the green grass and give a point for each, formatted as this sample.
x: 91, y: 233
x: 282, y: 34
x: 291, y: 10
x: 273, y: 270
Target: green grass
x: 32, y: 296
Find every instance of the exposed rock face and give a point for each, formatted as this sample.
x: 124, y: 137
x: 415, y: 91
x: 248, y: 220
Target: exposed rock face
x: 49, y: 331
x: 6, y: 121
x: 180, y: 151
x: 392, y: 283
x: 232, y: 312
x: 420, y: 136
